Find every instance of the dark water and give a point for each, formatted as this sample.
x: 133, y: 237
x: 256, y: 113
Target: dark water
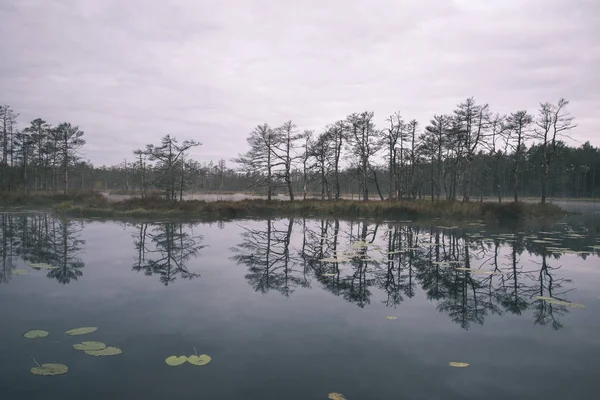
x: 280, y: 324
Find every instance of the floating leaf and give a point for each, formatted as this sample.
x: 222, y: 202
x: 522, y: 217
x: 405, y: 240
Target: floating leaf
x: 175, y: 361
x: 334, y: 259
x: 108, y: 351
x: 336, y: 396
x: 35, y: 334
x: 89, y: 346
x: 442, y: 263
x: 20, y: 272
x: 328, y: 274
x: 478, y: 271
x: 42, y: 266
x: 50, y: 369
x: 200, y: 360
x: 391, y: 317
x: 552, y: 300
x: 81, y: 331
x: 458, y: 364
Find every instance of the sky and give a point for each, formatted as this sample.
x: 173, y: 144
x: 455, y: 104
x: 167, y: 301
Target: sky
x: 129, y: 72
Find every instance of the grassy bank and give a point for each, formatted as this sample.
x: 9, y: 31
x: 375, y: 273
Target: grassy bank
x: 341, y: 208
x: 93, y: 204
x: 52, y: 198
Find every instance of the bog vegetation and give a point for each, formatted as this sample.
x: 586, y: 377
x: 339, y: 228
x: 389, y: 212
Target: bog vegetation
x: 468, y: 154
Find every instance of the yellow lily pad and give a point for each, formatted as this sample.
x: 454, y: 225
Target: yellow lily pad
x: 200, y: 360
x: 175, y: 361
x: 336, y: 396
x: 552, y: 300
x: 35, y: 334
x: 81, y: 331
x: 391, y: 317
x: 20, y: 272
x: 334, y: 259
x: 458, y: 364
x: 108, y: 351
x: 50, y: 369
x: 89, y: 346
x: 42, y: 266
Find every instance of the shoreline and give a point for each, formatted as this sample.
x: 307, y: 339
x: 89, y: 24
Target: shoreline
x: 95, y: 204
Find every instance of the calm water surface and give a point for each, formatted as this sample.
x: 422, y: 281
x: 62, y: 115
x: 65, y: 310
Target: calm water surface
x: 281, y: 320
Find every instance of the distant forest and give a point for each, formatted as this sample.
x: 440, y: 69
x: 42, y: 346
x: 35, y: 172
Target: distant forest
x: 469, y: 154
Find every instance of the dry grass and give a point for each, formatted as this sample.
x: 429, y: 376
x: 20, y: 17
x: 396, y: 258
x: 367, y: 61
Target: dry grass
x: 52, y: 198
x: 155, y: 207
x: 89, y: 203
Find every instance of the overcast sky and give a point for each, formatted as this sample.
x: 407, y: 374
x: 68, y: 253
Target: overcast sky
x: 128, y: 72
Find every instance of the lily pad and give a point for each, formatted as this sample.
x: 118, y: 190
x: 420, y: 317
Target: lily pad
x: 334, y: 259
x: 50, y: 369
x: 81, y: 331
x: 200, y: 360
x: 391, y: 317
x: 42, y: 266
x: 175, y: 361
x: 458, y: 364
x: 552, y: 300
x: 336, y: 396
x: 89, y: 346
x: 20, y: 272
x: 108, y: 351
x: 35, y: 334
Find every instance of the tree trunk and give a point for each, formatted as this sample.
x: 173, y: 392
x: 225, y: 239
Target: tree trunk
x: 289, y: 185
x: 377, y: 185
x: 516, y: 181
x: 544, y: 182
x: 467, y: 188
x: 365, y: 182
x: 66, y: 178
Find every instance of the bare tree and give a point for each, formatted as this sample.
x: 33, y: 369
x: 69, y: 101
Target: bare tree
x: 169, y: 156
x: 436, y: 136
x: 472, y: 120
x: 389, y: 139
x: 260, y: 162
x: 323, y: 152
x: 285, y: 150
x: 363, y: 145
x: 338, y: 137
x: 553, y: 122
x: 498, y: 144
x: 518, y: 124
x: 8, y: 119
x: 68, y: 139
x: 307, y: 135
x: 413, y: 156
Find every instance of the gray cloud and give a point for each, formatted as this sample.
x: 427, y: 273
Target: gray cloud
x: 129, y: 72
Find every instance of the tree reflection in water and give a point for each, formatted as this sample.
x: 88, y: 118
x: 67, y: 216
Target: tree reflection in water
x: 352, y: 259
x: 40, y: 238
x: 163, y: 250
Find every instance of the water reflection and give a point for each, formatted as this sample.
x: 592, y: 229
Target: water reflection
x: 469, y: 274
x: 163, y: 250
x: 42, y: 239
x: 266, y: 254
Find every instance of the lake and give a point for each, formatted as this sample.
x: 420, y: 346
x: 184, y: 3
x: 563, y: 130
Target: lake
x: 301, y: 308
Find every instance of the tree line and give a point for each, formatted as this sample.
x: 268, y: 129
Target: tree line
x: 470, y: 153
